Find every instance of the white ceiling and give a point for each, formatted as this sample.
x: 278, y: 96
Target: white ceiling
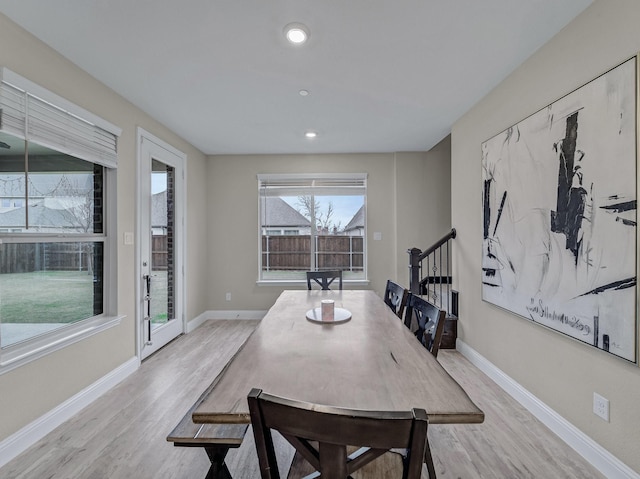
x: 383, y: 75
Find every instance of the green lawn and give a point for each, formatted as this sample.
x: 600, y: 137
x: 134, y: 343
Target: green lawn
x: 62, y: 297
x: 159, y: 291
x: 46, y: 297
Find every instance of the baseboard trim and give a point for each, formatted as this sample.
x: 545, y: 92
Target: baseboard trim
x: 36, y: 430
x: 594, y: 453
x: 196, y: 322
x: 223, y: 315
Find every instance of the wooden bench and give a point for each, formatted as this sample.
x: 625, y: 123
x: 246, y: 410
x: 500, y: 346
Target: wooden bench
x: 216, y: 439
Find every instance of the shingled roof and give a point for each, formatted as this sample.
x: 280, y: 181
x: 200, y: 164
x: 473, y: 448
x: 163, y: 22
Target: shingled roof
x: 357, y: 221
x: 277, y: 212
x: 39, y: 217
x: 46, y: 185
x: 159, y: 209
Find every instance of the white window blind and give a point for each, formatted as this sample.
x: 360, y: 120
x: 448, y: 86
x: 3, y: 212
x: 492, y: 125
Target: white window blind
x: 317, y: 184
x: 32, y: 113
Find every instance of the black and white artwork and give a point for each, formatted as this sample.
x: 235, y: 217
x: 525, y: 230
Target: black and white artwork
x: 559, y: 215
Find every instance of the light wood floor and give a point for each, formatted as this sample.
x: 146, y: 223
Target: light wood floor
x: 122, y: 434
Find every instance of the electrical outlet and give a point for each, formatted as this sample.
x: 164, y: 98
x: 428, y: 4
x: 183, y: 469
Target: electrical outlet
x: 601, y: 406
x: 228, y: 296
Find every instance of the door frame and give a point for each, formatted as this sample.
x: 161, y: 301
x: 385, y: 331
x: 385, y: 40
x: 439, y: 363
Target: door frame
x: 179, y: 162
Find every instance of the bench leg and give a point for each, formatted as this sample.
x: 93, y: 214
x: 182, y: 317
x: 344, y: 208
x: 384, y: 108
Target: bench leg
x: 218, y: 469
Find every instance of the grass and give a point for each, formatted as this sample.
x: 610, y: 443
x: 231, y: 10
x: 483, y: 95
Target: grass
x: 61, y: 297
x: 159, y: 288
x: 46, y: 297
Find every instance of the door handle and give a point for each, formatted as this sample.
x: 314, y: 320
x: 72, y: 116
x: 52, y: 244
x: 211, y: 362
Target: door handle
x: 147, y: 299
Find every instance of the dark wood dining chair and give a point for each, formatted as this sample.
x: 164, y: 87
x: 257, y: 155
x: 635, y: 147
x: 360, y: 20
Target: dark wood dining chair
x: 395, y: 296
x: 324, y: 278
x: 426, y: 321
x: 321, y: 434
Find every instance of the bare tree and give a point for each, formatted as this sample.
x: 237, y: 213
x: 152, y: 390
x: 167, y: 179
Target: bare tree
x: 78, y: 202
x: 311, y: 209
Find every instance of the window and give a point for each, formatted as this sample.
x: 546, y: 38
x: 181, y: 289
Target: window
x: 57, y: 261
x: 312, y: 222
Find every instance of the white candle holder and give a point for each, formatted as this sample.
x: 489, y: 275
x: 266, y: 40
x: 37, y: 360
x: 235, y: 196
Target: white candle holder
x: 327, y: 308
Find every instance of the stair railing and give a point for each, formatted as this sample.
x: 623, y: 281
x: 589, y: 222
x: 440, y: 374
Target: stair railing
x: 435, y: 264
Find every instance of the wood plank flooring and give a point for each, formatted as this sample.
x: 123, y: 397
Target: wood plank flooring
x: 122, y: 434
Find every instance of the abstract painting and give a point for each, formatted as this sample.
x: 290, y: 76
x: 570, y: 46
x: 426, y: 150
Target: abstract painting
x: 559, y: 215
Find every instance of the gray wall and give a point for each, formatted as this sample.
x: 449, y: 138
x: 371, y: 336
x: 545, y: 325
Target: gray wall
x: 423, y: 202
x: 402, y: 189
x: 561, y: 372
x: 221, y: 205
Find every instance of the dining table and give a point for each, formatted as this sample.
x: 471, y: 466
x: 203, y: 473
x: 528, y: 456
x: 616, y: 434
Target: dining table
x: 364, y: 359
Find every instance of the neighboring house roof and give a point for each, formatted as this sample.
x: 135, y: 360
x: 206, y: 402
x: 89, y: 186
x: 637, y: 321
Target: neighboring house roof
x: 277, y: 212
x: 46, y: 185
x: 39, y: 217
x: 357, y: 221
x: 159, y: 209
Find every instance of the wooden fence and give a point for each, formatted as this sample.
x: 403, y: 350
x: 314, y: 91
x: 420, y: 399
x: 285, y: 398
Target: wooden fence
x: 32, y: 257
x: 159, y: 253
x: 278, y: 253
x: 294, y: 252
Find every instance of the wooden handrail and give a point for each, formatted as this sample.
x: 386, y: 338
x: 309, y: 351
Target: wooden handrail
x: 418, y: 284
x: 450, y: 235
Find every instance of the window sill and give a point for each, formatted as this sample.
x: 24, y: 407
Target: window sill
x: 14, y: 356
x: 303, y: 284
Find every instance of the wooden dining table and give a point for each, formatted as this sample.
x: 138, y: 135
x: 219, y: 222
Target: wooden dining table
x: 370, y: 361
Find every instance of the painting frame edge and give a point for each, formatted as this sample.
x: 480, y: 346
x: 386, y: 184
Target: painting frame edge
x: 635, y: 359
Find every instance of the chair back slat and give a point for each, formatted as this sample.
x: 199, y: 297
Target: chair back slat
x: 303, y: 424
x: 324, y: 278
x: 395, y: 296
x: 426, y: 321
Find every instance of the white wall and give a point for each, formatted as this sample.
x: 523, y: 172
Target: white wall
x: 34, y: 389
x: 563, y: 373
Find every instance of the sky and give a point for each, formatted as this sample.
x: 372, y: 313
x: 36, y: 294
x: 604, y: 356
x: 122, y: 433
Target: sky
x: 344, y: 207
x: 158, y: 183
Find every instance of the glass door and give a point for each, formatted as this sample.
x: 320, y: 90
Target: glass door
x: 160, y: 261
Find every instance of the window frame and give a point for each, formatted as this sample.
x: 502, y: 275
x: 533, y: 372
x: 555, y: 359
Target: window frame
x: 312, y: 178
x: 20, y: 353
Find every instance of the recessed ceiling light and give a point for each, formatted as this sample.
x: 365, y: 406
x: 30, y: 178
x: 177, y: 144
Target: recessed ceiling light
x: 311, y: 134
x: 303, y: 92
x: 296, y: 33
